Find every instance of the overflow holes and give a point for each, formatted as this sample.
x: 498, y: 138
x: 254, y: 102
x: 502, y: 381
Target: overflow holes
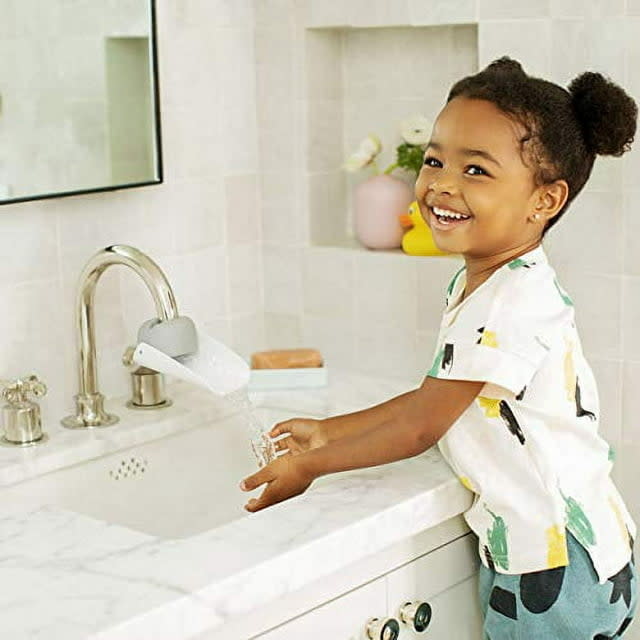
x: 130, y: 466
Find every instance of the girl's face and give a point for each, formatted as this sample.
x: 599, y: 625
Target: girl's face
x: 473, y: 166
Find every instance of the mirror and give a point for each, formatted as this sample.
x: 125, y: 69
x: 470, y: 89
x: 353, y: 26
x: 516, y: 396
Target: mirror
x: 79, y: 108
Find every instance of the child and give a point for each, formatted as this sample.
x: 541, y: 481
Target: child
x: 510, y: 399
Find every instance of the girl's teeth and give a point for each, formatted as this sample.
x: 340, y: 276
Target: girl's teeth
x: 443, y: 213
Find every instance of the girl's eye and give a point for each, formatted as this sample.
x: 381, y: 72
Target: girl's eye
x: 478, y: 171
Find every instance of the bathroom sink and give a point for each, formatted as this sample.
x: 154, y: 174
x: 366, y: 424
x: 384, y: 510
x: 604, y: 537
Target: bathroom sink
x: 174, y: 487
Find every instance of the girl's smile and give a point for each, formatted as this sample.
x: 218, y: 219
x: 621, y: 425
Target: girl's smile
x: 442, y: 219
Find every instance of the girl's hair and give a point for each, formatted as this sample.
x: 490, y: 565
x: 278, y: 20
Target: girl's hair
x: 565, y: 130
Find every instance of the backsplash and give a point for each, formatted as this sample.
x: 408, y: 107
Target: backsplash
x: 230, y: 225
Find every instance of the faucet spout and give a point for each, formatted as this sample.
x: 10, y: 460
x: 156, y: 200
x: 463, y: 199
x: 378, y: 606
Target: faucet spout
x: 89, y: 401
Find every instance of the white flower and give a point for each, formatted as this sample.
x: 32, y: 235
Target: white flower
x: 416, y: 130
x: 369, y: 148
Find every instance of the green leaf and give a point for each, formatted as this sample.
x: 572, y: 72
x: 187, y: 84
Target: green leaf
x: 410, y: 157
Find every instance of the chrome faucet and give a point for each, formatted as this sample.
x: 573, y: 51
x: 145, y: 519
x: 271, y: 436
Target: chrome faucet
x: 89, y: 401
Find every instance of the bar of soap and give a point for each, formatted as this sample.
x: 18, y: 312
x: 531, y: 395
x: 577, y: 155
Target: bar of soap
x: 286, y: 359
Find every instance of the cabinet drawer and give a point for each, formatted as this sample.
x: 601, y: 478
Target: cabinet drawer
x: 341, y: 619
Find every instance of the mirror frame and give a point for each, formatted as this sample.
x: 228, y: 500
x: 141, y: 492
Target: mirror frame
x: 157, y: 133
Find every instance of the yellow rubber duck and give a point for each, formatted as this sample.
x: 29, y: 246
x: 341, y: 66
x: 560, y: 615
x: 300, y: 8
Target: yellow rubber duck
x: 418, y: 241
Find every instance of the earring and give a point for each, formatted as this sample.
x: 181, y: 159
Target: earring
x: 536, y: 216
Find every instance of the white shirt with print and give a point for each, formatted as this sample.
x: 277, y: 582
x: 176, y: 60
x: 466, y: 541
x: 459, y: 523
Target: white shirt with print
x: 528, y: 446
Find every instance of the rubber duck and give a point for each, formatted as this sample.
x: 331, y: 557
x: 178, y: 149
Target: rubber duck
x: 417, y: 240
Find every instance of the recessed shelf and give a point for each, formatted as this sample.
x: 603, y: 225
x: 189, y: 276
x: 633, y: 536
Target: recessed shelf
x: 367, y: 80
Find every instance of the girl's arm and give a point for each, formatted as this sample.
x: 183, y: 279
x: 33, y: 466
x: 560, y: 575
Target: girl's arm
x: 349, y: 424
x: 425, y: 417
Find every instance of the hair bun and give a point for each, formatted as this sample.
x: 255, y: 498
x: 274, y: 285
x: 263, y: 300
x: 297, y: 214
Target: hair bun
x: 607, y: 114
x: 506, y: 65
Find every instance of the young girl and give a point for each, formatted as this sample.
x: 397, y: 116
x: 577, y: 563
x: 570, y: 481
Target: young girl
x: 510, y: 399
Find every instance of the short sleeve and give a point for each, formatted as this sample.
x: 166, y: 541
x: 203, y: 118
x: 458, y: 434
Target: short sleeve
x: 503, y: 335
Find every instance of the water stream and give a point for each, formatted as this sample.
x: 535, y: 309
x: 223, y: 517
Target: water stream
x: 261, y: 444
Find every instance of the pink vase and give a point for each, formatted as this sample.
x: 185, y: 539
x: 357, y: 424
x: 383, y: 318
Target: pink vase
x: 377, y: 205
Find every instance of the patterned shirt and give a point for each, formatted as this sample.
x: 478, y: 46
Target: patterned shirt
x: 528, y: 445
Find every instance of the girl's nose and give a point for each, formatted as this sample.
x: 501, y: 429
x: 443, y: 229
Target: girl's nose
x: 443, y: 184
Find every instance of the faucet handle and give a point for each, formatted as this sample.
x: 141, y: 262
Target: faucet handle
x: 15, y: 391
x: 21, y: 417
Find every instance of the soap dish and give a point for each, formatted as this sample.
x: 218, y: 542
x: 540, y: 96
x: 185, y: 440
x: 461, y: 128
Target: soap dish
x: 303, y: 378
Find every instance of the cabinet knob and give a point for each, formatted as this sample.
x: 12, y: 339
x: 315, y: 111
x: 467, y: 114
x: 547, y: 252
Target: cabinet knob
x: 417, y: 614
x: 382, y: 629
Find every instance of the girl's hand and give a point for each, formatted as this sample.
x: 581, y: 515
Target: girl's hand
x: 305, y: 434
x: 286, y: 478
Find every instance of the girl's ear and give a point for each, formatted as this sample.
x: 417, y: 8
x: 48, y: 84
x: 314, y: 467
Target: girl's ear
x: 551, y: 198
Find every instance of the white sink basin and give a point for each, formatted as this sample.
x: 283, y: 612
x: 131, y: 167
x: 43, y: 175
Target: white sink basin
x: 174, y: 487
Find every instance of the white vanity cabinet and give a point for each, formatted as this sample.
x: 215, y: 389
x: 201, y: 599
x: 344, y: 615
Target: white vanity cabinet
x: 445, y: 577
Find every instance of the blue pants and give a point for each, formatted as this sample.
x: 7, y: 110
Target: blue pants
x: 565, y: 603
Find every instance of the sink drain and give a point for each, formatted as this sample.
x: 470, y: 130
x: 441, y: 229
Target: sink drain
x: 128, y: 467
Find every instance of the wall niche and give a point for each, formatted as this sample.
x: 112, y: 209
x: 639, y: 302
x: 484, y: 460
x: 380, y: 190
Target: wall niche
x: 367, y: 80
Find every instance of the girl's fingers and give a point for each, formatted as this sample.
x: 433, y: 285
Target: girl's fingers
x: 277, y: 430
x: 281, y: 445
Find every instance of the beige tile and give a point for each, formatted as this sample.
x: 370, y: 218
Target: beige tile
x: 379, y: 13
x: 200, y: 281
x: 274, y: 76
x: 631, y: 317
x: 583, y: 238
x: 626, y: 475
x: 334, y: 337
x: 630, y: 402
x: 606, y: 175
x: 327, y: 205
x: 282, y: 330
x: 247, y: 334
x: 608, y: 375
x: 388, y: 352
x: 28, y: 245
x: 242, y: 209
x: 442, y: 11
x: 325, y: 150
x: 329, y: 283
x: 434, y: 274
x: 426, y: 344
x: 323, y: 64
x: 632, y: 57
x: 631, y: 227
x: 597, y: 300
x: 527, y: 41
x: 386, y: 292
x: 273, y: 13
x: 505, y: 9
x: 282, y: 280
x: 325, y: 13
x: 245, y: 279
x: 631, y: 168
x: 590, y: 8
x: 281, y: 223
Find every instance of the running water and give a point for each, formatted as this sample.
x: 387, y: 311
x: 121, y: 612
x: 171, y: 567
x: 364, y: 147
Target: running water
x: 261, y: 444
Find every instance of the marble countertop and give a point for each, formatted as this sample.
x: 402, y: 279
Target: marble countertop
x: 72, y: 577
